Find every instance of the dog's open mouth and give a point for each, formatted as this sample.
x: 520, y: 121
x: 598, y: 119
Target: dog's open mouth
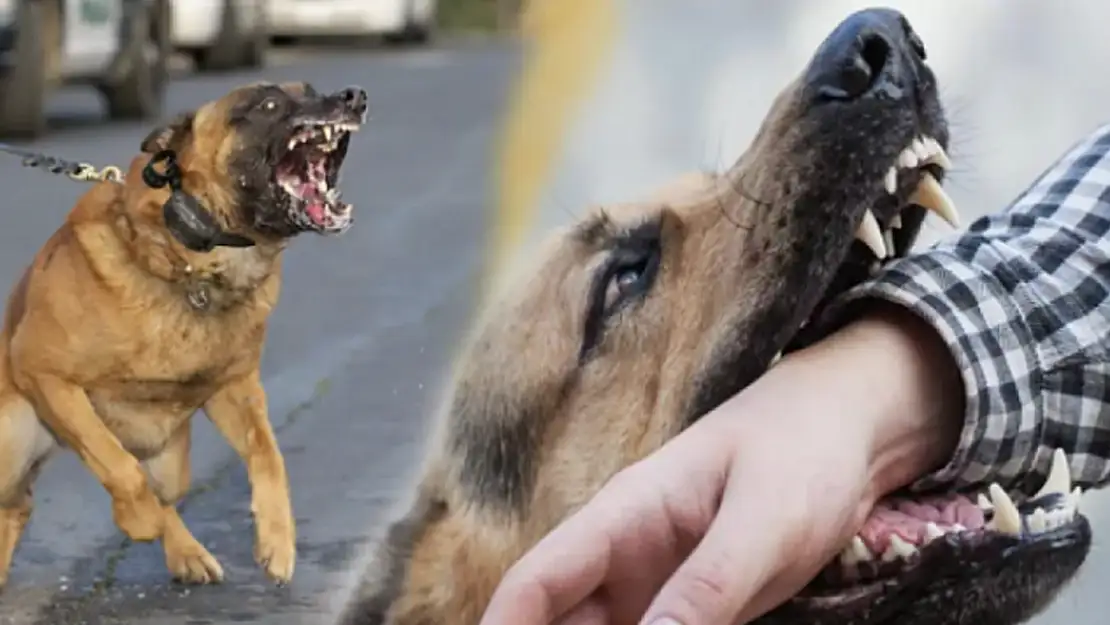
x: 919, y: 171
x: 910, y: 541
x: 308, y: 172
x: 934, y: 536
x: 910, y: 188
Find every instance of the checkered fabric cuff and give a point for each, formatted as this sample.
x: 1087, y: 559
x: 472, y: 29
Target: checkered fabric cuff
x: 1022, y: 299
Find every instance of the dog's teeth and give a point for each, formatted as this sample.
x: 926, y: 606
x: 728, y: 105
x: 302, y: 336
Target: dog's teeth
x: 898, y: 549
x: 932, y: 532
x: 327, y: 133
x: 919, y: 149
x: 1038, y: 521
x: 1059, y: 477
x: 937, y: 155
x: 930, y: 195
x: 888, y: 240
x: 891, y: 180
x: 871, y: 235
x: 1006, y: 517
x: 1073, y: 500
x: 985, y: 504
x: 896, y: 221
x: 855, y: 552
x: 292, y: 143
x: 907, y: 159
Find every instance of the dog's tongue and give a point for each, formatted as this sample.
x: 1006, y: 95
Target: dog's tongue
x: 314, y: 203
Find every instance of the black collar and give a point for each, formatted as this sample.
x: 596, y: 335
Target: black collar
x: 186, y: 219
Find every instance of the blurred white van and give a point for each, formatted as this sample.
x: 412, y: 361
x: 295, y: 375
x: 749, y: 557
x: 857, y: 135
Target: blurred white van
x: 400, y: 21
x: 221, y: 34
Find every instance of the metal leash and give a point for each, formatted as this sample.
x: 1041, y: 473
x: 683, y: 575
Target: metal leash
x: 81, y: 172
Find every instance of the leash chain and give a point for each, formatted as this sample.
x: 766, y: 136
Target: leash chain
x: 74, y: 170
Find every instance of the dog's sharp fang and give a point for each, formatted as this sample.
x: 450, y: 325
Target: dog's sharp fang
x: 896, y: 221
x: 1059, y: 476
x: 907, y: 159
x: 327, y: 133
x: 871, y: 235
x: 930, y: 195
x: 919, y: 148
x: 1006, y: 517
x: 937, y: 155
x: 1073, y: 500
x: 891, y: 180
x: 855, y: 552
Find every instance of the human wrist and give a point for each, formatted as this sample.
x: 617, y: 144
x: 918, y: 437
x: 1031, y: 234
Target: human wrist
x: 916, y: 394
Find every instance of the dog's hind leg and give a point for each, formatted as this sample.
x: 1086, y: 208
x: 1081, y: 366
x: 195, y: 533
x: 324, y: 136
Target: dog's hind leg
x: 168, y: 473
x: 24, y: 446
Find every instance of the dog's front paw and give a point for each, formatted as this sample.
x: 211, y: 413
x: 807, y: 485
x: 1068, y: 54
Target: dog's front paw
x: 276, y: 549
x: 188, y: 561
x: 192, y: 564
x: 140, y: 517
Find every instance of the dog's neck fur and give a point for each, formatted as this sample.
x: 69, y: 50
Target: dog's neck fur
x: 209, y: 281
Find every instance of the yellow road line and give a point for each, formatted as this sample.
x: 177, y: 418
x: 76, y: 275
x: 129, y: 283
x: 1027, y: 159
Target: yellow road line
x: 568, y: 41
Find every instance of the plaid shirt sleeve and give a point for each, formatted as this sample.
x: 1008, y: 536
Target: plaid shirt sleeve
x: 1023, y: 300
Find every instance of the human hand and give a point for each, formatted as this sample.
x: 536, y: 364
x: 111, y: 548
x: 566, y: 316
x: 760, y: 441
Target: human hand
x: 741, y: 510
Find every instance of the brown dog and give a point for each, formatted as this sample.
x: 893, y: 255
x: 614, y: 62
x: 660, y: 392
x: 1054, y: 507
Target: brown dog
x: 139, y: 310
x: 643, y: 317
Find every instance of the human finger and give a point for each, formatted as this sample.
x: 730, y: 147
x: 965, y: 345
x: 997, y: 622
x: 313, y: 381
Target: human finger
x: 725, y: 569
x: 592, y: 611
x: 561, y: 570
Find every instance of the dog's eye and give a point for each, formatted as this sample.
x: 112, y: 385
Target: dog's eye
x: 269, y: 105
x: 628, y: 281
x: 621, y: 282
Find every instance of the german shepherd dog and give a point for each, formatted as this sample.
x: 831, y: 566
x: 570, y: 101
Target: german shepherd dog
x: 642, y: 317
x: 144, y: 307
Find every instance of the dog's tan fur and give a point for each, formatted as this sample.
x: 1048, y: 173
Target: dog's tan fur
x: 523, y: 398
x: 103, y: 353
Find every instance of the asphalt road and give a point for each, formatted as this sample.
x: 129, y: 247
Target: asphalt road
x: 358, y: 345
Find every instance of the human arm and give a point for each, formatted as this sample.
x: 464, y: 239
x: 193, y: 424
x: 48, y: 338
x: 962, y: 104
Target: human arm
x: 1023, y: 300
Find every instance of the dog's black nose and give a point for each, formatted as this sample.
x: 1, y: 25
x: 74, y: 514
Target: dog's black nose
x: 354, y: 98
x: 872, y: 53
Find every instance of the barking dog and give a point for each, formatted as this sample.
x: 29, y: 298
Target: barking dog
x: 645, y: 316
x: 128, y: 321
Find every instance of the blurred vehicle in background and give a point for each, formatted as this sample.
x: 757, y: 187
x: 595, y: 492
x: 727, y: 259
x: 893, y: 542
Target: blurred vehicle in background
x: 120, y: 47
x: 221, y: 34
x: 398, y: 21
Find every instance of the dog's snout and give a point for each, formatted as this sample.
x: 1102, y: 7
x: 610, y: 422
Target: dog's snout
x: 354, y: 98
x: 873, y: 53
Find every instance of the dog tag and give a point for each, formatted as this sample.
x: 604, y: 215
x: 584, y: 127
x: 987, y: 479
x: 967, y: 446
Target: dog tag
x: 198, y: 298
x: 188, y: 223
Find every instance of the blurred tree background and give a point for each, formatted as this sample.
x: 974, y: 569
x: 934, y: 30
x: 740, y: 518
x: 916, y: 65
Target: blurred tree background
x: 479, y: 15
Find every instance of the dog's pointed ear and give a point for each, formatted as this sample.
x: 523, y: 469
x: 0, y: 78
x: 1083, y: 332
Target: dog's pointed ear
x: 169, y: 136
